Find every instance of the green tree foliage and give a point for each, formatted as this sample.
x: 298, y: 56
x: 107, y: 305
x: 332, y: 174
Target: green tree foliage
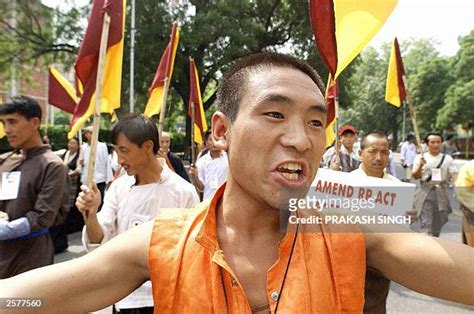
x: 428, y: 87
x: 32, y: 33
x: 459, y: 104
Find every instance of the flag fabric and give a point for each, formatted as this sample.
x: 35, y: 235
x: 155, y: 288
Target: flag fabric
x: 2, y: 130
x: 342, y: 28
x: 395, y: 92
x: 164, y: 70
x: 88, y: 59
x: 61, y: 93
x: 332, y: 91
x: 200, y: 124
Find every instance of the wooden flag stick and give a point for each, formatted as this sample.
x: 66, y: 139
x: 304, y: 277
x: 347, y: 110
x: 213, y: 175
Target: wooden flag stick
x: 161, y: 122
x: 98, y: 96
x: 412, y: 116
x: 336, y: 124
x: 192, y: 133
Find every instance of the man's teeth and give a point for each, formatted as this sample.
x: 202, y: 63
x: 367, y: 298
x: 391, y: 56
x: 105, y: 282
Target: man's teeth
x: 290, y: 176
x: 290, y: 166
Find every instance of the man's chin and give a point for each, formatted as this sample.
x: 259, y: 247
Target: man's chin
x: 283, y: 197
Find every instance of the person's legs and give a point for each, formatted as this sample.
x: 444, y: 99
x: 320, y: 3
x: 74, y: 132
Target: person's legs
x: 427, y: 214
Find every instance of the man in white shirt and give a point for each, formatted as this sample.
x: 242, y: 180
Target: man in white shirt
x: 210, y: 171
x: 407, y: 156
x: 434, y: 170
x: 134, y: 198
x: 348, y: 159
x: 374, y: 153
x: 102, y: 170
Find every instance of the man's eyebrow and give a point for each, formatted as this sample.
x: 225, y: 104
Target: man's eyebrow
x: 275, y: 98
x: 321, y: 108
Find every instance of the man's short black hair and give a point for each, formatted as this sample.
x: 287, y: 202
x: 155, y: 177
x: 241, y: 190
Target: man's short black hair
x: 23, y: 105
x: 207, y: 134
x: 137, y: 129
x: 234, y: 83
x: 435, y: 134
x: 410, y: 137
x: 376, y: 133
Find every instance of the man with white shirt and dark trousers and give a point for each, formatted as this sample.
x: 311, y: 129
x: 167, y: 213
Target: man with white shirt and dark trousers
x: 407, y: 156
x: 434, y: 169
x: 103, y: 169
x: 135, y: 198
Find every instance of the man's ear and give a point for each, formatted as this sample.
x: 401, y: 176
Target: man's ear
x: 148, y: 145
x: 36, y: 122
x: 220, y: 130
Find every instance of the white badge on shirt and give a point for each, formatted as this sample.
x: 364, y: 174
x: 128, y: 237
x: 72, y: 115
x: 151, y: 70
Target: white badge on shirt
x: 214, y: 184
x: 436, y: 175
x: 10, y: 185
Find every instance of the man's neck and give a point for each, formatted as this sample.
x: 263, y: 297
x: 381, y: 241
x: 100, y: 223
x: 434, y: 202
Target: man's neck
x: 245, y: 216
x: 151, y: 173
x: 349, y: 150
x: 434, y: 154
x: 215, y: 154
x: 34, y: 141
x: 376, y: 174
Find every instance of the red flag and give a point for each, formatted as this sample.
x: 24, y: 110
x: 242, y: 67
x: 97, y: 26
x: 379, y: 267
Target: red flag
x: 164, y: 70
x: 342, y: 28
x: 88, y: 58
x: 61, y: 93
x: 200, y: 124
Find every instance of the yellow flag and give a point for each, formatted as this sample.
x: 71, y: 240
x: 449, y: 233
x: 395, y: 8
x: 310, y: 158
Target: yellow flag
x: 395, y: 92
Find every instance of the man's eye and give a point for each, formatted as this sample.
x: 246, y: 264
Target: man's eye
x: 316, y: 123
x: 275, y: 115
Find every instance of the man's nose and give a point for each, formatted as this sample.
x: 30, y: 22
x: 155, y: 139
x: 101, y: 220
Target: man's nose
x: 297, y: 137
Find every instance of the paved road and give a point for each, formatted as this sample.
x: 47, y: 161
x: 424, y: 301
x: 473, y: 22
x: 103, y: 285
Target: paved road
x: 400, y: 299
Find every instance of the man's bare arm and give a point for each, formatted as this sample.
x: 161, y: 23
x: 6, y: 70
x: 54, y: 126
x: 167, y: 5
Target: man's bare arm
x: 91, y: 282
x: 432, y: 266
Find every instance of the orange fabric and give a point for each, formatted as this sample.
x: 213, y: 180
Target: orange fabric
x: 326, y: 274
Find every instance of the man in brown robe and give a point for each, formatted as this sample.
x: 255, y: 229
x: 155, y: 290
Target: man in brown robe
x: 34, y: 190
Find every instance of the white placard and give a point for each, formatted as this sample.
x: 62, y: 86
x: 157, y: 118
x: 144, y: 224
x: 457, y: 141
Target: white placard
x: 353, y: 192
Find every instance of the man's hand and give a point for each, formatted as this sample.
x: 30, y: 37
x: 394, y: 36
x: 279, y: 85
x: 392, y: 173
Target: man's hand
x: 422, y: 162
x: 193, y: 170
x: 88, y: 201
x: 335, y: 165
x: 162, y: 154
x: 4, y: 216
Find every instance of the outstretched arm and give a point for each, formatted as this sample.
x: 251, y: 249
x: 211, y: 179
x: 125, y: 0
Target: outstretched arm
x: 432, y: 266
x: 91, y: 282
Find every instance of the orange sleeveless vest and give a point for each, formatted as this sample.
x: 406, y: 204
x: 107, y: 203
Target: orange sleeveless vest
x: 189, y: 273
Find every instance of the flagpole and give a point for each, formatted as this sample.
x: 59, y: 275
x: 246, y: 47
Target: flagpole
x: 98, y: 93
x: 336, y: 124
x: 163, y: 107
x: 412, y: 115
x: 132, y: 59
x: 404, y: 121
x: 192, y: 133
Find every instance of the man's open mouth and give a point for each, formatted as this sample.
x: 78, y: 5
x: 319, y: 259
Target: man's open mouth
x: 290, y: 170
